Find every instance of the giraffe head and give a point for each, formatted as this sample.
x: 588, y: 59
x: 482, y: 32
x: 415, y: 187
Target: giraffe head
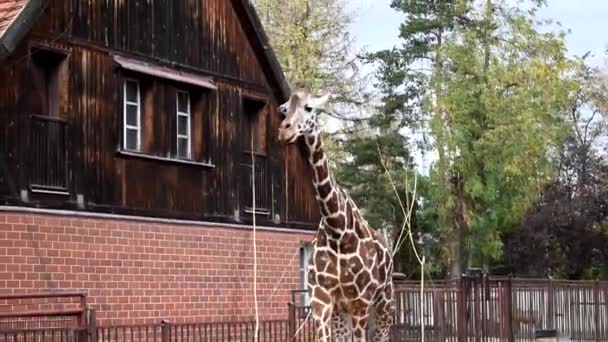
x: 300, y: 116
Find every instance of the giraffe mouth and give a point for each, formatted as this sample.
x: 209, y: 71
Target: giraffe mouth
x: 287, y: 138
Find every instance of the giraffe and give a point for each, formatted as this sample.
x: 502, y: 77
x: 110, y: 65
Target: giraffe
x: 350, y: 270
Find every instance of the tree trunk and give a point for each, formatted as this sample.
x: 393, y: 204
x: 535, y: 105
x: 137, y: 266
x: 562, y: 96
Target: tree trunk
x: 455, y: 247
x: 459, y: 223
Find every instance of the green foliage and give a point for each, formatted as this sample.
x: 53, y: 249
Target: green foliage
x: 491, y: 95
x: 505, y: 99
x: 365, y: 177
x: 313, y: 43
x: 565, y: 234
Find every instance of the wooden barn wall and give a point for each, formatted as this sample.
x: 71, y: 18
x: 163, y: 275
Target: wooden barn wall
x: 201, y: 36
x: 204, y: 34
x: 11, y: 102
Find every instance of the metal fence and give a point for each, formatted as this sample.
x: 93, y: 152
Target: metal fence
x: 271, y: 331
x: 48, y: 152
x: 479, y: 308
x: 501, y: 309
x: 475, y: 308
x: 43, y: 335
x: 301, y: 326
x: 53, y: 317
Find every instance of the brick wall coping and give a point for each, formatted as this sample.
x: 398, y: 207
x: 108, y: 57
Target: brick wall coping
x: 91, y: 215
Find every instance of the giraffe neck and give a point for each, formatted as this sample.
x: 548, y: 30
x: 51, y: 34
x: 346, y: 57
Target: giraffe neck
x: 328, y: 194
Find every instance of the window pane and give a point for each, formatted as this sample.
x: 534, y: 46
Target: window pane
x: 182, y: 148
x: 302, y: 258
x: 182, y: 102
x: 132, y: 115
x: 182, y: 125
x: 131, y: 143
x: 132, y: 88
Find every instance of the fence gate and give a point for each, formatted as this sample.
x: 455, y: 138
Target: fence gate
x: 300, y: 323
x: 52, y: 317
x: 487, y: 309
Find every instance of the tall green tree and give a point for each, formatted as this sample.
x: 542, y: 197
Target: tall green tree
x: 402, y: 86
x: 565, y: 234
x: 506, y: 95
x: 406, y: 81
x: 313, y: 43
x: 491, y: 93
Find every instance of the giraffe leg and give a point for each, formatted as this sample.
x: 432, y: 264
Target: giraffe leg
x: 385, y: 315
x: 360, y: 329
x: 340, y: 327
x: 360, y: 324
x: 321, y: 314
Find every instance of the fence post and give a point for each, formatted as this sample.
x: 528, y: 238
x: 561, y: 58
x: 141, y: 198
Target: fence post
x: 510, y: 308
x: 83, y: 334
x: 165, y: 332
x: 462, y: 312
x: 550, y: 308
x: 82, y: 319
x: 291, y: 324
x: 596, y: 304
x: 91, y: 324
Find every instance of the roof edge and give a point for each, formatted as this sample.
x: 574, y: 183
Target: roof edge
x: 20, y: 26
x: 264, y: 42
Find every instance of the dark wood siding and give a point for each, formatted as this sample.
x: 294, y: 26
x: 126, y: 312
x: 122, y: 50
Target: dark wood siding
x: 203, y: 37
x: 205, y: 34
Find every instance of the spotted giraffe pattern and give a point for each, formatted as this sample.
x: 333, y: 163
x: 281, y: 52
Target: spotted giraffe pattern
x: 350, y: 271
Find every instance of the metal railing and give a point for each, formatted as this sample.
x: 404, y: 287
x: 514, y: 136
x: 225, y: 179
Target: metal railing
x: 54, y: 317
x: 270, y: 331
x: 262, y: 184
x: 49, y: 154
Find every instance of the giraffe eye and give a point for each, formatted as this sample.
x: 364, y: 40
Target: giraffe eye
x: 308, y: 108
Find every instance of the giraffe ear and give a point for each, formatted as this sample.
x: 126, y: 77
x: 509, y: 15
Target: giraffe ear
x: 319, y: 102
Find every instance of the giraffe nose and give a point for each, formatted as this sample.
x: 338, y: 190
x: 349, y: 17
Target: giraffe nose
x: 285, y: 124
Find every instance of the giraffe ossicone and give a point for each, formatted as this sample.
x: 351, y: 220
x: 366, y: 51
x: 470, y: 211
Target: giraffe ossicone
x: 350, y: 270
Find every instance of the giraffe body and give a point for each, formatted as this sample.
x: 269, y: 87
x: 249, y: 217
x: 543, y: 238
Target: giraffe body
x: 350, y: 271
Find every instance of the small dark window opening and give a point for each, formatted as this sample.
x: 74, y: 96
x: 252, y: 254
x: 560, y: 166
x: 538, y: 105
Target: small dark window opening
x: 46, y: 71
x: 255, y: 165
x: 254, y: 124
x: 48, y: 140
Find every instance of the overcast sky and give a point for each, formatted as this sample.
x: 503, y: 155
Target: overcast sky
x: 377, y: 25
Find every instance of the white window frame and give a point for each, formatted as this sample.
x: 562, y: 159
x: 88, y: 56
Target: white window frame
x: 188, y: 116
x: 126, y: 126
x: 305, y: 253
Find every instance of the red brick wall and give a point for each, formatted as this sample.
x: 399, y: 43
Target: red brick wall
x: 142, y: 272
